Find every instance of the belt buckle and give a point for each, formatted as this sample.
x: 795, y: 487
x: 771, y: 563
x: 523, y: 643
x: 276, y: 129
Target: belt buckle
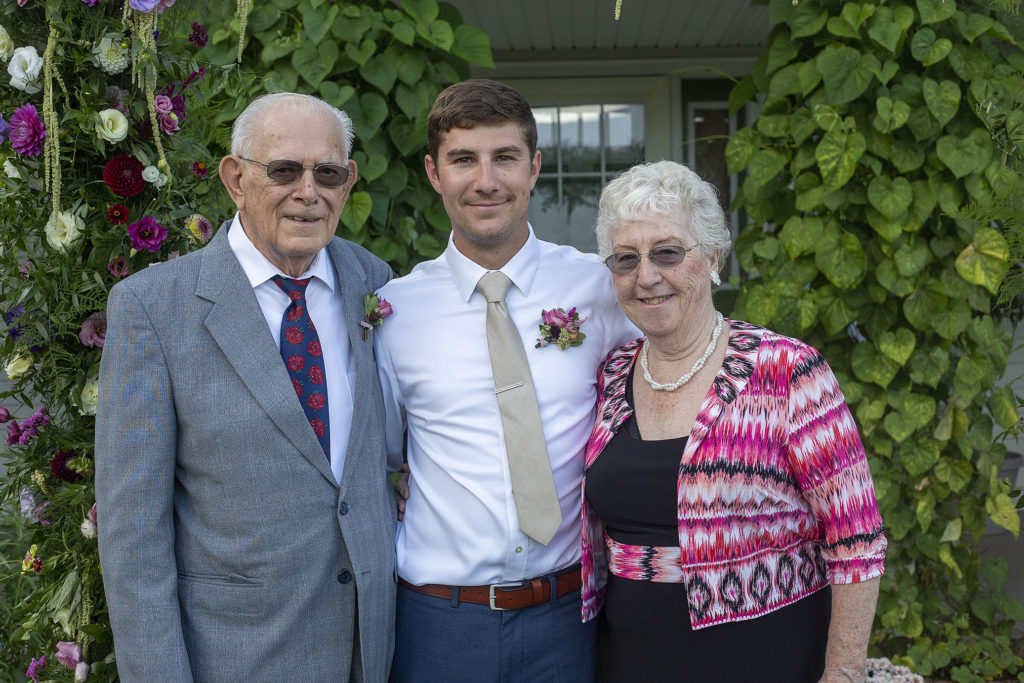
x: 490, y: 593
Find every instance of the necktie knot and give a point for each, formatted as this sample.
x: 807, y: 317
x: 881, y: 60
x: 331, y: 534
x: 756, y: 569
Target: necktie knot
x: 295, y: 289
x: 494, y: 286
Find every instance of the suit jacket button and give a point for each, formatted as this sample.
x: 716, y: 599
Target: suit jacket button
x: 345, y: 576
x: 343, y: 508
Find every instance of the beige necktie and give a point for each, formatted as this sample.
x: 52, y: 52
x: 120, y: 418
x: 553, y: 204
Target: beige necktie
x: 529, y: 466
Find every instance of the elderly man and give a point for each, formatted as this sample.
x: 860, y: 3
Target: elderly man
x: 489, y: 548
x: 246, y: 521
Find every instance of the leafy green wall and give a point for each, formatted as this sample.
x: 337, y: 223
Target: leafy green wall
x: 384, y: 64
x: 868, y: 143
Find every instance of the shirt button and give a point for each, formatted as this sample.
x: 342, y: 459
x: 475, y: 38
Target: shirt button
x: 519, y: 549
x: 345, y: 576
x: 343, y: 508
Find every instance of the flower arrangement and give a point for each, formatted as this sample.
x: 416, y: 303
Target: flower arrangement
x: 107, y: 128
x: 559, y: 327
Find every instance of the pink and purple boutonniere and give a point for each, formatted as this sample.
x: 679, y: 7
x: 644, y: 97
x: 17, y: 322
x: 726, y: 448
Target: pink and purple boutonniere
x: 376, y: 308
x: 561, y: 327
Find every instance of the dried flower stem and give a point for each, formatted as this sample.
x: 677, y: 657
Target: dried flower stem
x: 51, y: 145
x: 243, y: 19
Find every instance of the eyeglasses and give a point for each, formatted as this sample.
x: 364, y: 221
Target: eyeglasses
x: 667, y: 256
x: 285, y: 171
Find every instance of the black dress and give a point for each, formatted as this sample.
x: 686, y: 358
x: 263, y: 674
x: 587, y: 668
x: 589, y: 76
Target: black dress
x: 644, y: 627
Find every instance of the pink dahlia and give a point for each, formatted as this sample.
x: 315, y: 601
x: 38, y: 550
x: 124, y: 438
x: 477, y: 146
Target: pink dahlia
x: 123, y: 175
x: 27, y: 131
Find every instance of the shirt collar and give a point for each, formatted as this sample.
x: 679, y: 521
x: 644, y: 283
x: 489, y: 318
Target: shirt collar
x: 259, y: 270
x: 521, y: 268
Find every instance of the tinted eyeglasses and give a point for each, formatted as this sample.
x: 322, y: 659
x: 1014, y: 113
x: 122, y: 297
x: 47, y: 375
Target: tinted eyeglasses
x: 667, y: 256
x: 285, y: 171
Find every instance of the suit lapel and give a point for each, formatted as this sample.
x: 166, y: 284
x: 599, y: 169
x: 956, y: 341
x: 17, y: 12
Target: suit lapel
x: 352, y: 289
x: 237, y: 324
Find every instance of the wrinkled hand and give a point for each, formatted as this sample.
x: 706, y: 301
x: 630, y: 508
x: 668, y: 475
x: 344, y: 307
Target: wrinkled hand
x: 402, y: 490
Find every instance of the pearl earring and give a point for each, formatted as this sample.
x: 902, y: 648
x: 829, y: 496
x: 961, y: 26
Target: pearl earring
x: 715, y: 279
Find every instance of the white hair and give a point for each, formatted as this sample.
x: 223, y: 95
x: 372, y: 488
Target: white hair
x: 243, y: 131
x: 668, y: 189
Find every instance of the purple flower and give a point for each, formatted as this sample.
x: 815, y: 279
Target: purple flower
x: 13, y: 432
x: 164, y: 4
x: 27, y: 131
x: 34, y: 666
x: 27, y: 501
x: 5, y: 415
x: 556, y: 317
x: 198, y: 36
x: 194, y: 75
x: 10, y: 317
x: 69, y: 654
x: 169, y: 123
x: 119, y: 267
x: 385, y: 307
x: 4, y: 127
x: 147, y: 234
x: 162, y: 104
x: 178, y: 102
x: 90, y: 3
x: 94, y: 330
x: 29, y: 426
x: 143, y: 5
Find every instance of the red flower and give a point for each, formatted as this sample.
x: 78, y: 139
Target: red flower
x: 316, y: 375
x: 123, y: 175
x: 117, y: 214
x: 294, y: 335
x: 316, y: 401
x: 314, y: 348
x: 298, y: 387
x: 318, y: 427
x: 199, y: 168
x: 295, y: 296
x: 296, y: 363
x: 60, y: 469
x: 295, y: 314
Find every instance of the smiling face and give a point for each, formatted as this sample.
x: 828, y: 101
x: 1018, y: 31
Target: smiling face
x: 484, y: 175
x: 290, y: 223
x: 663, y: 302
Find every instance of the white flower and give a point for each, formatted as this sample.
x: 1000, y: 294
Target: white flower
x: 6, y: 44
x: 90, y: 397
x: 111, y: 57
x: 63, y: 228
x: 24, y: 69
x: 81, y: 672
x: 11, y: 170
x: 88, y: 528
x: 161, y: 180
x: 112, y: 125
x: 18, y: 366
x: 151, y: 174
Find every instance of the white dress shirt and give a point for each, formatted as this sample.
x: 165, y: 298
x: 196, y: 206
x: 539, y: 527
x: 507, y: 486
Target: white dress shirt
x: 461, y: 525
x: 325, y: 310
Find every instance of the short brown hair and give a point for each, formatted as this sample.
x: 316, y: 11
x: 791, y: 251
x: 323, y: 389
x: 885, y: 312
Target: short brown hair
x: 479, y: 101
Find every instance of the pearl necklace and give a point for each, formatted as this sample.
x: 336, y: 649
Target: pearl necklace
x: 657, y: 386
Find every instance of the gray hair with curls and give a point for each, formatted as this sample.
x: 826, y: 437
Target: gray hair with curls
x: 669, y: 190
x: 243, y: 131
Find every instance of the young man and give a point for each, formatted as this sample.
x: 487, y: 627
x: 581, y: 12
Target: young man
x: 488, y: 553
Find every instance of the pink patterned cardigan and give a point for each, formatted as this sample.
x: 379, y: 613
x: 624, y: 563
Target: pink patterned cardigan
x: 775, y: 498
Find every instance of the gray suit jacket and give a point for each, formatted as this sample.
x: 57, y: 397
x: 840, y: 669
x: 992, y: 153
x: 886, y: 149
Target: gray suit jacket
x: 229, y: 552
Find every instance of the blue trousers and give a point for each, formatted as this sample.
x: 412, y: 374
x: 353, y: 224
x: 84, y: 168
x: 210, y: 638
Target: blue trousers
x: 444, y: 641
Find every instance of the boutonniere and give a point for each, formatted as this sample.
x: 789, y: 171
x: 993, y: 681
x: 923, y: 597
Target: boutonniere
x: 375, y: 308
x: 559, y: 327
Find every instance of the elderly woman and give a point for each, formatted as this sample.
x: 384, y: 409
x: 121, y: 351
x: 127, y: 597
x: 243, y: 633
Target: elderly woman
x: 730, y: 527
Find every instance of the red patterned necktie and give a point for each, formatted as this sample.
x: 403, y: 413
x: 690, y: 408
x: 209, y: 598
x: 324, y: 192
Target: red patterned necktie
x: 300, y: 349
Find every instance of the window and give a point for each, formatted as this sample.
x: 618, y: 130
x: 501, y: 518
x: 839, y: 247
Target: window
x: 582, y: 147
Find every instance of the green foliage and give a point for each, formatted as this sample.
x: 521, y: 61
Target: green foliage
x: 872, y: 137
x: 384, y: 65
x: 51, y: 284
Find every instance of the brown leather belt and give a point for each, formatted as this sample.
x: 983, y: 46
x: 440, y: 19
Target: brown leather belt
x: 505, y: 596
